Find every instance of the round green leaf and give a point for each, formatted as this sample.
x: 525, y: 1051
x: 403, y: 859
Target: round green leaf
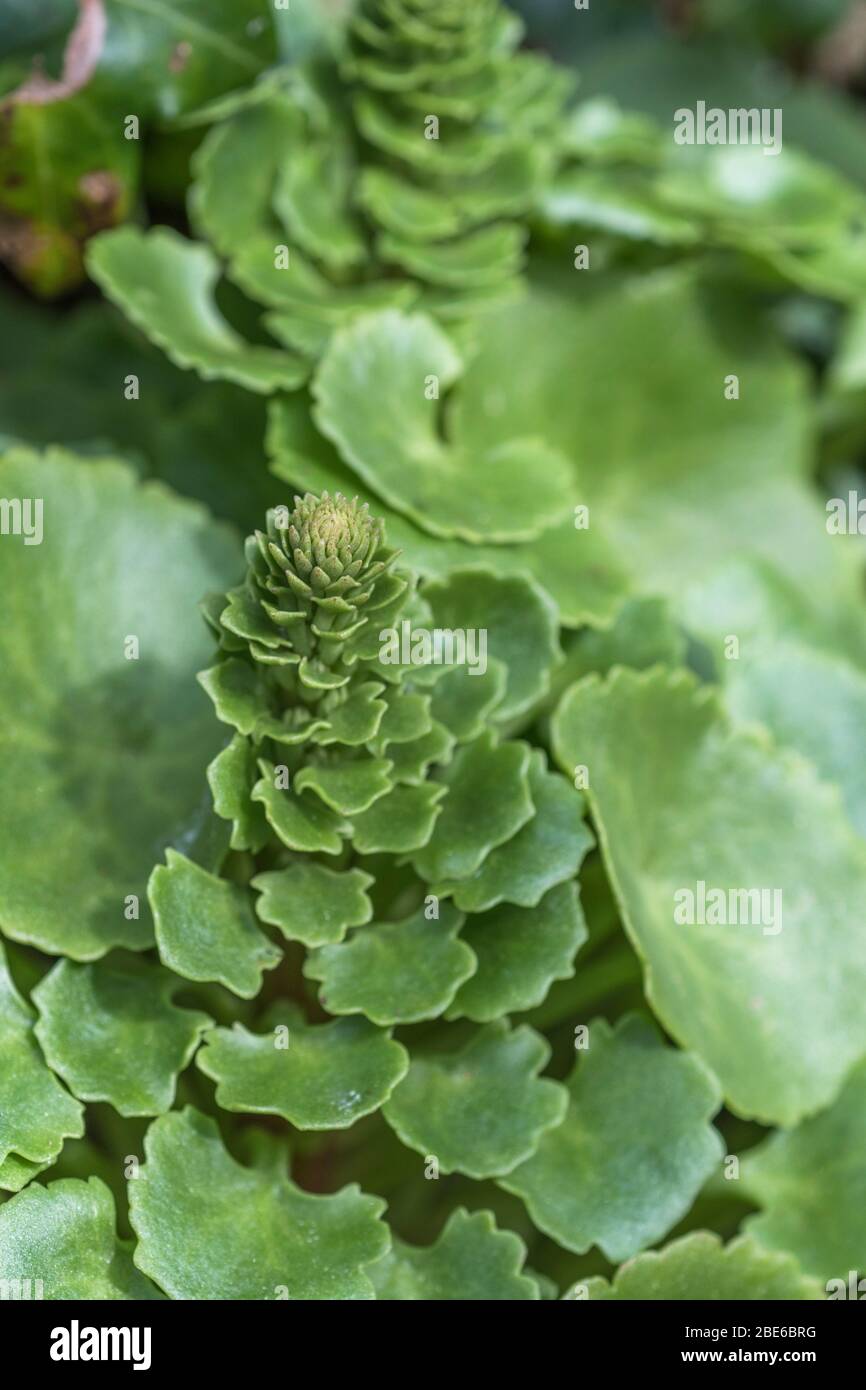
x: 395, y: 972
x: 64, y: 1236
x: 165, y: 284
x: 520, y: 952
x: 205, y: 928
x: 482, y: 1109
x: 321, y: 1077
x: 209, y: 1228
x: 682, y: 799
x: 822, y: 1222
x: 312, y: 904
x: 374, y: 401
x: 113, y: 1034
x: 470, y: 1262
x: 699, y: 1268
x: 103, y: 755
x: 635, y: 1147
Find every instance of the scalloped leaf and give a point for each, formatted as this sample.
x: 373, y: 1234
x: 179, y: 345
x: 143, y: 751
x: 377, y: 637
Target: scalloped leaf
x: 395, y: 972
x: 313, y: 904
x: 584, y: 573
x: 699, y: 1268
x: 234, y: 169
x: 665, y: 769
x: 477, y: 261
x: 312, y: 200
x: 205, y: 928
x: 471, y: 1261
x: 370, y: 392
x: 464, y: 698
x: 113, y: 1034
x: 520, y: 952
x: 400, y: 822
x: 36, y: 1112
x: 231, y: 777
x: 348, y: 788
x: 64, y: 1235
x: 303, y: 822
x: 488, y: 801
x: 324, y: 1076
x: 103, y: 757
x: 822, y: 1223
x: 165, y: 285
x: 519, y: 620
x: 548, y: 850
x: 184, y: 1210
x: 634, y: 1150
x: 411, y: 760
x: 482, y: 1109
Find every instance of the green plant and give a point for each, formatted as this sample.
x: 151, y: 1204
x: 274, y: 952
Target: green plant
x: 402, y: 955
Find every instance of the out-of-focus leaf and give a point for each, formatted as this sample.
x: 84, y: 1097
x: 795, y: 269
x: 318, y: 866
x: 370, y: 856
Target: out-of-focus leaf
x: 210, y: 1228
x: 103, y: 754
x: 699, y: 1268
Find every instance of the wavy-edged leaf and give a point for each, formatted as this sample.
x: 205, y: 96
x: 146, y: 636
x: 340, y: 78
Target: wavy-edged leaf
x: 478, y: 260
x: 680, y: 798
x: 205, y: 927
x: 634, y: 1149
x: 520, y: 952
x: 471, y: 1261
x: 234, y: 169
x: 548, y: 850
x: 103, y: 757
x: 395, y: 972
x: 184, y: 1209
x: 312, y: 199
x: 822, y: 1222
x: 465, y: 698
x: 482, y: 1109
x: 165, y: 284
x: 488, y: 801
x: 699, y: 1268
x: 313, y: 904
x: 412, y: 759
x: 303, y: 822
x: 400, y: 822
x: 64, y: 1235
x: 372, y: 390
x: 231, y: 777
x: 324, y: 1076
x: 519, y: 623
x: 36, y: 1112
x: 349, y: 788
x: 112, y: 1032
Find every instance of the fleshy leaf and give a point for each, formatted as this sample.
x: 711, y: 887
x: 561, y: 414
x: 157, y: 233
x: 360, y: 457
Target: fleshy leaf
x: 828, y: 1236
x: 36, y: 1112
x: 519, y: 623
x: 471, y: 1262
x: 548, y: 850
x: 411, y: 760
x: 165, y: 284
x: 303, y: 822
x: 230, y: 777
x: 699, y: 1268
x: 665, y: 769
x: 520, y: 952
x: 487, y: 803
x: 348, y: 788
x: 185, y: 1211
x: 400, y: 822
x: 321, y: 1077
x: 113, y: 1034
x: 103, y: 756
x: 64, y: 1236
x: 636, y: 1107
x: 482, y: 1109
x: 205, y: 928
x: 395, y: 972
x: 313, y: 904
x: 464, y: 699
x: 373, y: 401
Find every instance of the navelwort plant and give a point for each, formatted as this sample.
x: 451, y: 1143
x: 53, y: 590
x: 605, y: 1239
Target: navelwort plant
x: 357, y: 1034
